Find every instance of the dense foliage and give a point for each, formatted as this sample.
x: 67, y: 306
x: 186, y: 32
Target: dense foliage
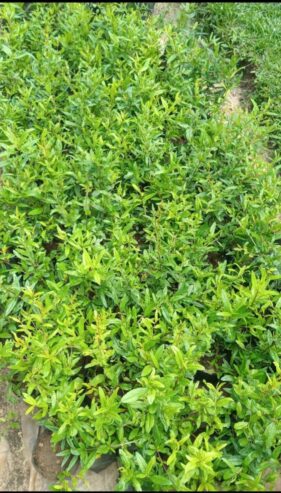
x: 252, y: 30
x: 140, y: 261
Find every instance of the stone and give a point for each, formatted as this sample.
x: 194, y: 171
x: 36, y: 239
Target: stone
x: 6, y: 463
x: 103, y: 481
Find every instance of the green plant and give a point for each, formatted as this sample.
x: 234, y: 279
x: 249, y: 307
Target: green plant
x: 139, y: 246
x: 252, y: 31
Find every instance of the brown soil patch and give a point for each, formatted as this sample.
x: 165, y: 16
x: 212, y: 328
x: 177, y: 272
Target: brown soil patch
x: 44, y: 457
x: 239, y: 98
x: 233, y: 101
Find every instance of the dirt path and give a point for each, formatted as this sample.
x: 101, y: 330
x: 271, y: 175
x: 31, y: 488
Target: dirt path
x: 238, y: 100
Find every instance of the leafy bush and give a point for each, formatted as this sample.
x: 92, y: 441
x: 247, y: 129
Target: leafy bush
x: 140, y: 259
x: 253, y: 32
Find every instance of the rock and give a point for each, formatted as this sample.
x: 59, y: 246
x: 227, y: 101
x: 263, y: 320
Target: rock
x: 6, y: 463
x: 30, y: 429
x: 103, y: 481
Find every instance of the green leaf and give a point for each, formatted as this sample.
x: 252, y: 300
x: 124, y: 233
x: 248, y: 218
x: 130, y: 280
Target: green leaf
x: 10, y: 306
x: 87, y: 262
x: 133, y: 395
x: 241, y: 425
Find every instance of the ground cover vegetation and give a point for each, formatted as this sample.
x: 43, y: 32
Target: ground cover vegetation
x: 253, y: 32
x: 140, y: 256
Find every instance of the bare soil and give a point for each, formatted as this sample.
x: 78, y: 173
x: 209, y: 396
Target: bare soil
x: 44, y: 458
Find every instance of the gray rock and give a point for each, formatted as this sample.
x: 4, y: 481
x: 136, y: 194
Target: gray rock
x: 6, y: 463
